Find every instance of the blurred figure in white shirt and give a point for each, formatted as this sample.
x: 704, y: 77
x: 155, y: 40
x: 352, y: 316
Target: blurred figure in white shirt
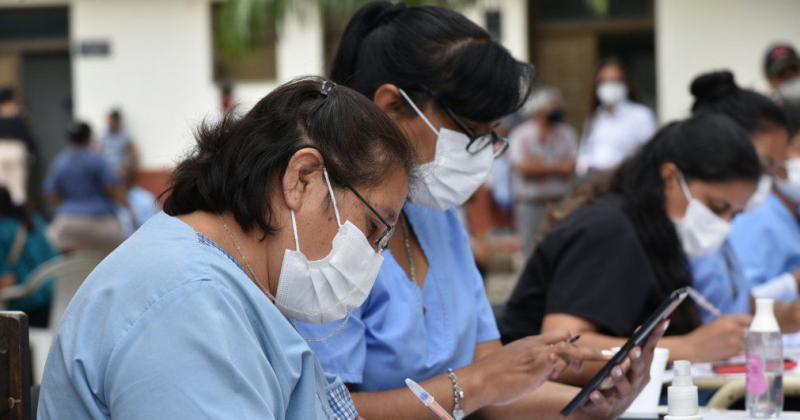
x: 617, y: 126
x: 542, y: 151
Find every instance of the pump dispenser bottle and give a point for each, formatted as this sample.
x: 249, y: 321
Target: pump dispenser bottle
x: 682, y: 394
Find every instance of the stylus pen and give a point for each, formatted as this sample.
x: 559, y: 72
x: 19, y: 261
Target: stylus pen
x: 428, y: 400
x: 703, y: 302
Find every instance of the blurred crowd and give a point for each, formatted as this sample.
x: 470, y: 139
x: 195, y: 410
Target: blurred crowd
x: 89, y: 195
x: 550, y: 160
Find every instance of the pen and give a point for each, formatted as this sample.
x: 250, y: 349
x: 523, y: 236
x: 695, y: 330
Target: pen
x: 428, y: 400
x: 703, y: 302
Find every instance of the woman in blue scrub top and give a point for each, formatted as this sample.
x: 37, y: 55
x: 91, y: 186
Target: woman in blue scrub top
x: 767, y: 240
x: 444, y: 81
x: 756, y: 260
x: 275, y: 216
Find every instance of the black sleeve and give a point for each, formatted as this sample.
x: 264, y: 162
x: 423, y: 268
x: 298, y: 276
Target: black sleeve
x: 601, y: 273
x: 591, y: 266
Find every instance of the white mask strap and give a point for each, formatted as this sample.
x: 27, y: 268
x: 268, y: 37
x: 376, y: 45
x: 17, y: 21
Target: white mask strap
x: 419, y: 112
x: 684, y: 186
x: 333, y: 197
x: 294, y: 228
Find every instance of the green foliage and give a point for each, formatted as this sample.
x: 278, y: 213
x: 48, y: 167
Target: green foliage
x: 241, y: 25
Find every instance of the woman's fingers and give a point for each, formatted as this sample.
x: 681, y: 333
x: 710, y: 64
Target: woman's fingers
x: 623, y: 386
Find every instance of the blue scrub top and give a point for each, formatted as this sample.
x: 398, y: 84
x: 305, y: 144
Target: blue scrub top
x: 719, y: 278
x: 80, y: 177
x: 169, y: 327
x: 404, y: 331
x: 767, y: 241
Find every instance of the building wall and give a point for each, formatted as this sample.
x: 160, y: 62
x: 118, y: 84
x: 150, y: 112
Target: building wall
x: 158, y: 72
x: 694, y: 36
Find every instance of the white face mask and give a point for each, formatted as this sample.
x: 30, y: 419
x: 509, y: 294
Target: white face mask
x: 701, y: 231
x: 790, y: 188
x: 790, y: 90
x: 760, y: 195
x: 454, y: 174
x: 612, y: 93
x: 324, y: 290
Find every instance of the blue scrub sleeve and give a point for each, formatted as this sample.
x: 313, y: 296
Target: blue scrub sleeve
x: 487, y: 325
x: 192, y: 355
x: 343, y: 354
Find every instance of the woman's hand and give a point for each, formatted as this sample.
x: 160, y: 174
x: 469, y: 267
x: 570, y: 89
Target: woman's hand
x: 719, y: 340
x: 788, y: 316
x: 519, y: 367
x: 613, y: 402
x: 7, y: 280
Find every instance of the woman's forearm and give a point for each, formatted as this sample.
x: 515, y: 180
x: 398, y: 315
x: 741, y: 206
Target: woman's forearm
x: 544, y: 403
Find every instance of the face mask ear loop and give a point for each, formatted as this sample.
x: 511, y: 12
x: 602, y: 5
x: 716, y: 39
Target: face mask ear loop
x: 419, y: 112
x: 333, y: 197
x: 294, y: 228
x: 684, y: 187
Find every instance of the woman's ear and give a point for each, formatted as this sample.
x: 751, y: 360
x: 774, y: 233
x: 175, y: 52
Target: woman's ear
x: 669, y: 175
x: 388, y: 98
x: 304, y: 169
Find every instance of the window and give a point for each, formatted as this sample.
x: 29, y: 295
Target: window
x: 256, y: 63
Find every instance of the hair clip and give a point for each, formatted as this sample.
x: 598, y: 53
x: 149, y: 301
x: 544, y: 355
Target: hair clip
x: 326, y: 88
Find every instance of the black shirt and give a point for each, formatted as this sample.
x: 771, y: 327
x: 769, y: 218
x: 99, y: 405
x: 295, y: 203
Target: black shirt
x: 591, y: 265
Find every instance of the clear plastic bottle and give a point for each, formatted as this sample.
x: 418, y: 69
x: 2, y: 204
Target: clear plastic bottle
x: 764, y: 386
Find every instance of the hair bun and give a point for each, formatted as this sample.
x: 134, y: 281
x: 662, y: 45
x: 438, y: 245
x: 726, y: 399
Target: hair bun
x: 710, y: 87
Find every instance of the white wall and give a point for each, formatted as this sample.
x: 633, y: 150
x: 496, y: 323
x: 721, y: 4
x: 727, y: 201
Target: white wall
x: 694, y: 36
x: 159, y: 71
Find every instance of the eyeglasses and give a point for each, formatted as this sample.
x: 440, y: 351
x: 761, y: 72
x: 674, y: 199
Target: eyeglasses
x: 477, y: 143
x: 383, y: 240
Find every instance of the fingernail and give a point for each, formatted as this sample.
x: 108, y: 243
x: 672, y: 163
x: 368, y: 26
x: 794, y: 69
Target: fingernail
x: 666, y: 325
x: 608, y: 353
x: 617, y: 373
x: 636, y: 353
x: 595, y: 396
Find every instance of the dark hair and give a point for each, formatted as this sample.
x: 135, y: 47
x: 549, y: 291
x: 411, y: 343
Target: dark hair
x: 79, y: 133
x: 717, y: 91
x: 427, y: 47
x: 234, y: 162
x: 605, y: 62
x: 115, y: 113
x: 9, y: 209
x: 792, y: 112
x: 707, y: 147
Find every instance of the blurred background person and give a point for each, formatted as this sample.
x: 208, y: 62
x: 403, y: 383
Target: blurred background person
x: 117, y: 146
x: 543, y: 151
x: 782, y: 68
x: 617, y: 125
x: 609, y: 264
x: 17, y: 148
x: 24, y: 247
x: 85, y: 190
x: 753, y: 260
x: 142, y: 204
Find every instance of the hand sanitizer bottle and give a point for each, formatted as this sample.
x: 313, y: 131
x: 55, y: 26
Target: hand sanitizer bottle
x: 764, y: 384
x: 682, y: 394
